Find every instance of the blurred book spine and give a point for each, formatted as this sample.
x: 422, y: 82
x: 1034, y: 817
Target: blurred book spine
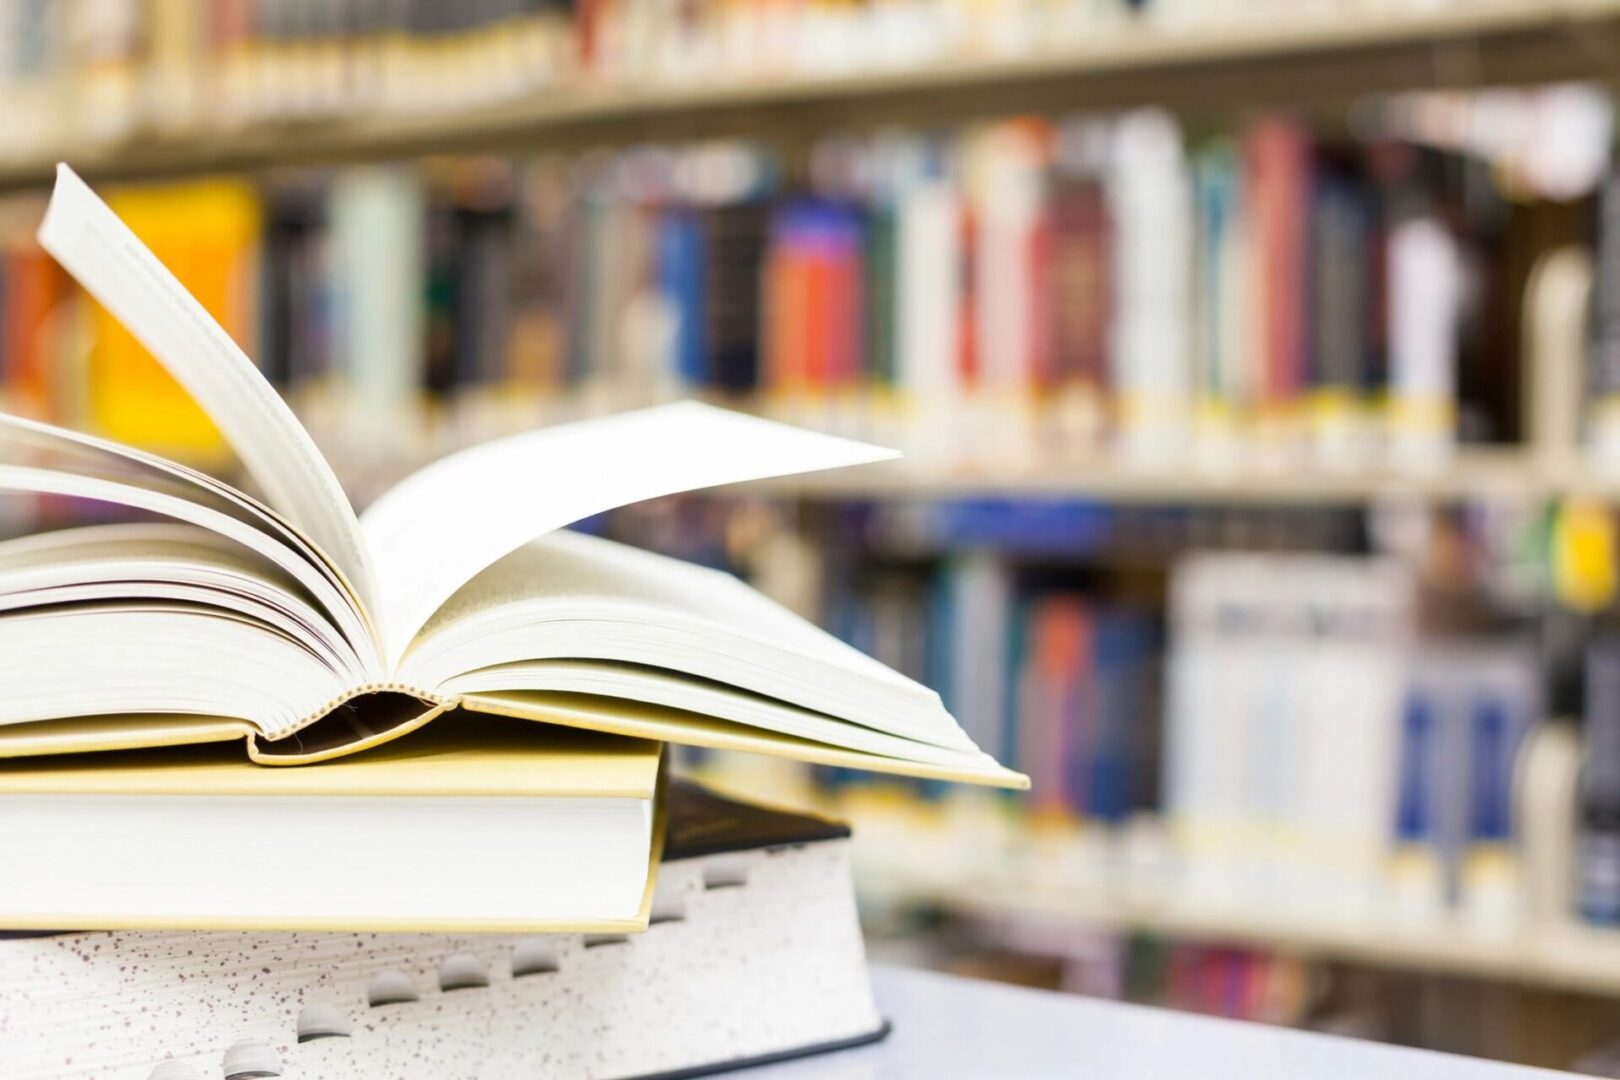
x: 1012, y: 294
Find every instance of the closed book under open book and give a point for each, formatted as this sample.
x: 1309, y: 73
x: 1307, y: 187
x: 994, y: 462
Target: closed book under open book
x: 754, y: 954
x: 312, y: 632
x: 484, y: 825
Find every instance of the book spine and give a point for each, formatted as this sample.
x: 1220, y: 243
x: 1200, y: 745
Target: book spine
x: 1417, y: 876
x: 1080, y: 302
x: 736, y: 252
x: 1597, y: 868
x: 1223, y: 394
x: 1603, y: 377
x: 1150, y: 202
x: 376, y: 218
x: 1277, y: 163
x: 928, y: 298
x: 681, y: 258
x: 32, y: 290
x: 1424, y: 290
x: 1341, y: 318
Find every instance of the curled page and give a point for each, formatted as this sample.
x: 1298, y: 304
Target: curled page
x: 441, y: 525
x: 115, y: 267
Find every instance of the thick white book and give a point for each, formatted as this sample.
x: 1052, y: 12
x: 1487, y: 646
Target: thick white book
x: 754, y: 954
x: 310, y: 631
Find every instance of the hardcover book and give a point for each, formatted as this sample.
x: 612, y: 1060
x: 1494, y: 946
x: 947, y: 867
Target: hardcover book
x: 477, y: 824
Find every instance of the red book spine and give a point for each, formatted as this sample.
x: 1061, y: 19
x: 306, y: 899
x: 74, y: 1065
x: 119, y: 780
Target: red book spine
x: 784, y: 323
x: 967, y: 359
x: 33, y: 288
x: 1078, y: 285
x: 1038, y: 257
x: 818, y: 287
x: 1278, y: 165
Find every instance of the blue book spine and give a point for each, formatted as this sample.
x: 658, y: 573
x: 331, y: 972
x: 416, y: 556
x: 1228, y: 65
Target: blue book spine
x: 1490, y: 794
x: 681, y: 279
x: 1121, y: 642
x: 1414, y: 812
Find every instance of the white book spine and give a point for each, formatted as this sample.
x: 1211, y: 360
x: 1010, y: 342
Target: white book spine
x: 928, y: 334
x: 1150, y: 197
x: 377, y: 250
x: 1425, y: 288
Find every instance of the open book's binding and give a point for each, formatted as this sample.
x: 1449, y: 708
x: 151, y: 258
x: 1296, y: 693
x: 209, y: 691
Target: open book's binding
x: 370, y: 717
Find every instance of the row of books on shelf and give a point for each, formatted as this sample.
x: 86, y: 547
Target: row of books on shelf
x: 112, y: 69
x: 1015, y: 292
x: 1317, y: 754
x: 1286, y: 739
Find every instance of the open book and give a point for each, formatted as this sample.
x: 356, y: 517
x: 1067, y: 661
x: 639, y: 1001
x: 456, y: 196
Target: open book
x: 313, y: 632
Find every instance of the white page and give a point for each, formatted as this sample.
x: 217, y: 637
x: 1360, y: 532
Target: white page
x: 115, y: 267
x: 653, y: 686
x: 74, y: 455
x: 45, y: 481
x: 148, y: 560
x: 444, y: 523
x: 569, y: 596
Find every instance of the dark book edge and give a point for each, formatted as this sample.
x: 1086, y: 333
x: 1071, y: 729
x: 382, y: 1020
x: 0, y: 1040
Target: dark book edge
x: 876, y: 1035
x: 703, y: 822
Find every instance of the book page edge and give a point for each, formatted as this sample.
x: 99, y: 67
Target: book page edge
x: 757, y: 741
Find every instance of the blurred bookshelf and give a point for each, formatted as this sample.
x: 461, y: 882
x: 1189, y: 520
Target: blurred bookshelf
x: 1569, y: 957
x: 531, y: 91
x: 1473, y: 475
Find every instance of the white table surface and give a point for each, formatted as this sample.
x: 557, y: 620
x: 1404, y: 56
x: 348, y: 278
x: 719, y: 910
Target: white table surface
x: 946, y: 1026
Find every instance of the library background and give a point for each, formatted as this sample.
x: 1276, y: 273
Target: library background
x: 1256, y: 363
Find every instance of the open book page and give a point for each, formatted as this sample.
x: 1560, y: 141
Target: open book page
x: 152, y: 561
x: 645, y: 721
x: 46, y: 481
x: 112, y: 264
x: 41, y: 445
x: 36, y: 457
x: 634, y: 682
x: 443, y: 524
x: 572, y: 596
x: 151, y: 656
x: 86, y: 552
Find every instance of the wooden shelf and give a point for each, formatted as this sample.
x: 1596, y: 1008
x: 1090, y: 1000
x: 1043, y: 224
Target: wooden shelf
x: 1501, y: 476
x: 1568, y: 957
x: 1473, y: 475
x: 1309, y: 58
x: 1506, y: 474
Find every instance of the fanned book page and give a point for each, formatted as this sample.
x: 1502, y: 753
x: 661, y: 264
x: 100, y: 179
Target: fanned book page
x: 314, y: 633
x: 440, y: 526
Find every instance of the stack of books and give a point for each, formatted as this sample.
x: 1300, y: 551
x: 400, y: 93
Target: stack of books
x: 483, y: 701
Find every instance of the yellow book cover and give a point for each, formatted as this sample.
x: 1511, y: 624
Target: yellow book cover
x: 477, y: 827
x: 207, y: 233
